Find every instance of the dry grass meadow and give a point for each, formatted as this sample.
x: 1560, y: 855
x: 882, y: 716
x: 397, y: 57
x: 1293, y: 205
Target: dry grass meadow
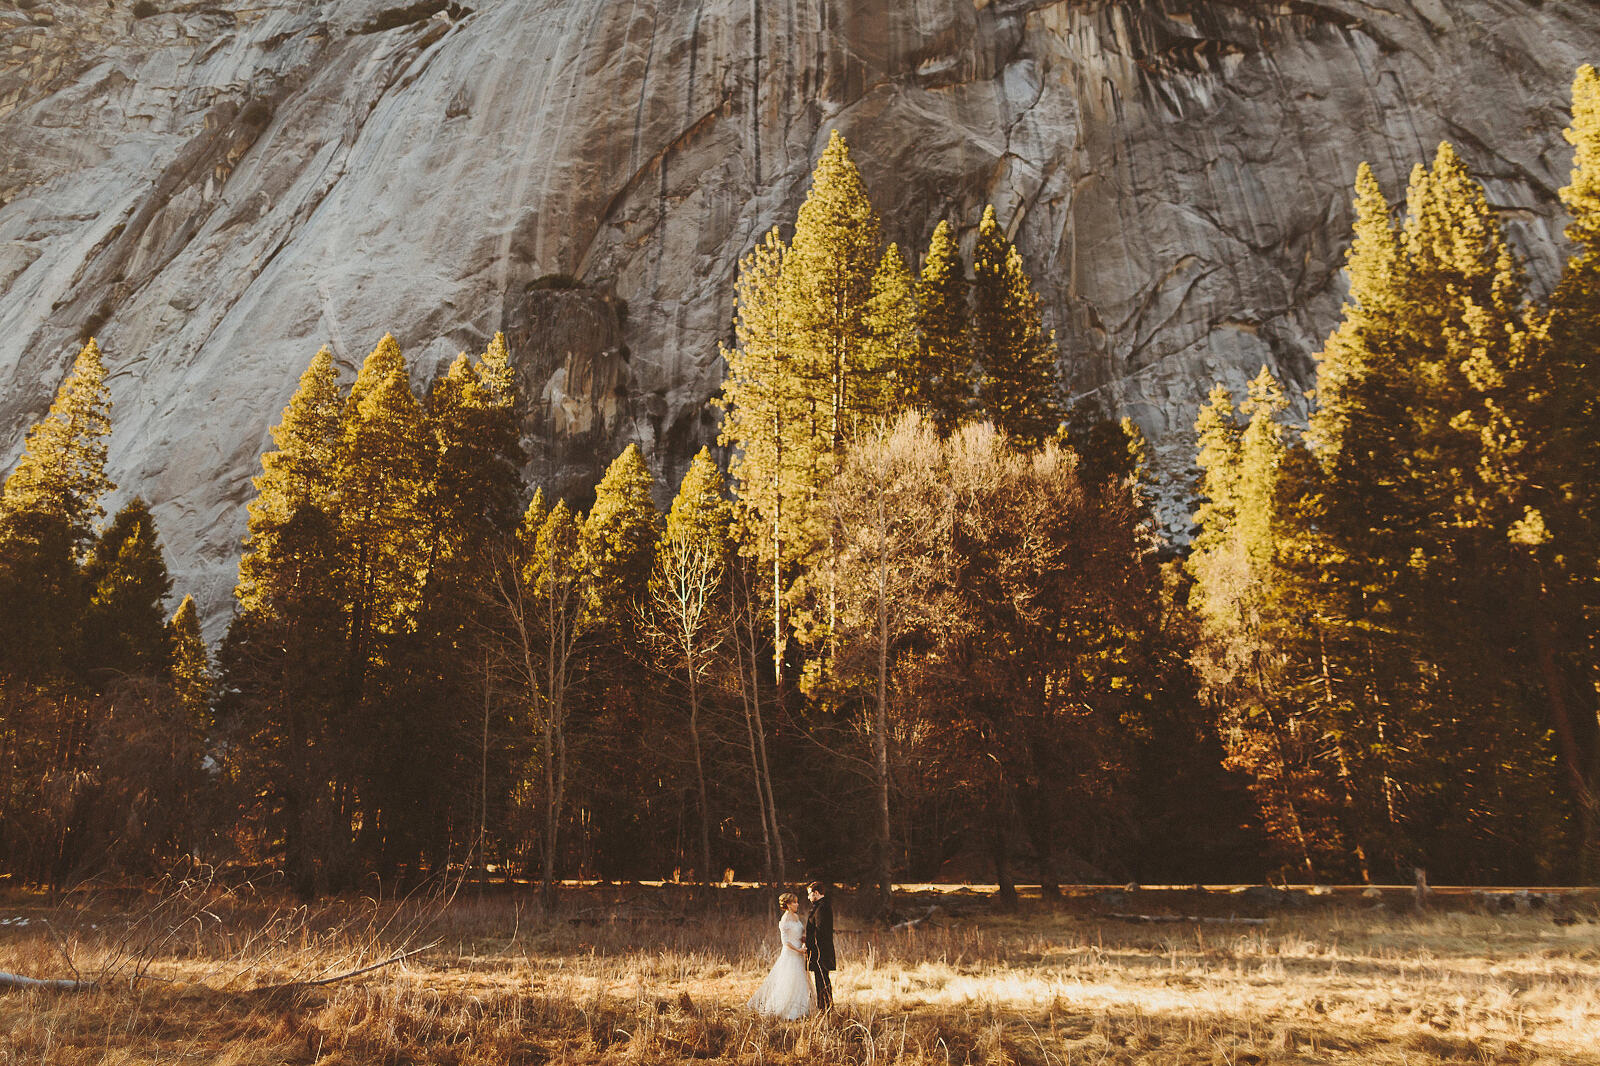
x: 644, y: 975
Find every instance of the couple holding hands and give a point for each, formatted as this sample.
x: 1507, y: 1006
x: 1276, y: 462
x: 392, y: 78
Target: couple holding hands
x: 807, y: 944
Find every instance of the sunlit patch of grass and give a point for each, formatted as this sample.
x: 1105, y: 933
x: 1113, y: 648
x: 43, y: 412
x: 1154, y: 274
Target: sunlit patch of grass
x: 1045, y: 987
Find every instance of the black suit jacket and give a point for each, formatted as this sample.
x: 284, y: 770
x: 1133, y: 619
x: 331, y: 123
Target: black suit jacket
x: 819, y: 935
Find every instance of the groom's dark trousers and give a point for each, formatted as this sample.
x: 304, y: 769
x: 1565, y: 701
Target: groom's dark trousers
x: 819, y: 950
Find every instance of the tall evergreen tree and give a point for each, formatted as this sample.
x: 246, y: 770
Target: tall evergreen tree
x: 473, y: 472
x: 300, y: 473
x: 48, y: 508
x: 193, y: 681
x: 891, y: 322
x: 382, y: 457
x: 1262, y: 447
x: 125, y: 626
x: 434, y: 677
x: 1018, y: 357
x: 1415, y: 432
x: 281, y: 660
x: 1234, y: 559
x: 804, y: 373
x: 1218, y: 430
x: 1559, y: 532
x: 940, y: 378
x: 767, y: 421
x: 620, y: 534
x: 827, y: 293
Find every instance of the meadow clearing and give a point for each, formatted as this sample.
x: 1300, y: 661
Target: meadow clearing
x: 644, y: 974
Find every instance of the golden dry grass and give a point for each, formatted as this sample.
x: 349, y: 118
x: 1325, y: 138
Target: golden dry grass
x: 1045, y: 986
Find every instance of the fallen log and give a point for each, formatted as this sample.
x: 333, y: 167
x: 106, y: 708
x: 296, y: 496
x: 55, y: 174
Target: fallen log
x: 296, y: 986
x: 13, y: 980
x: 16, y: 980
x: 1153, y: 918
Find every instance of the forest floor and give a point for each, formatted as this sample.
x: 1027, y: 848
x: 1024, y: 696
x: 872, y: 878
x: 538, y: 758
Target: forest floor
x: 647, y: 974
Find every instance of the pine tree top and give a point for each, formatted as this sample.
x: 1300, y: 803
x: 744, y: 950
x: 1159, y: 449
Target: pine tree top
x: 1582, y: 194
x: 1370, y: 259
x: 186, y: 619
x: 989, y: 253
x: 835, y: 242
x: 838, y: 194
x: 62, y: 467
x: 313, y: 410
x: 892, y: 264
x: 129, y: 581
x: 376, y: 370
x: 496, y: 372
x: 701, y: 513
x: 1449, y: 224
x: 1265, y: 397
x: 391, y: 399
x: 191, y: 664
x: 556, y: 546
x: 624, y: 493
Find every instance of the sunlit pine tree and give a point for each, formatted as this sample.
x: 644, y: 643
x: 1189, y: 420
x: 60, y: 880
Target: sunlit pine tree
x: 1018, y: 389
x: 803, y: 374
x: 382, y: 456
x: 300, y: 474
x: 193, y: 679
x: 1559, y: 530
x: 1413, y: 429
x: 891, y: 322
x: 826, y: 293
x: 767, y: 421
x: 281, y: 663
x: 940, y: 379
x: 48, y: 508
x: 619, y: 536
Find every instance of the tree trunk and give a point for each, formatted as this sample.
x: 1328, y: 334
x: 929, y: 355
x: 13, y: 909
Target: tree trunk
x: 1000, y: 853
x: 766, y: 782
x: 552, y: 821
x: 880, y: 732
x: 777, y: 550
x: 1283, y: 766
x: 1345, y: 778
x: 1578, y: 763
x: 296, y: 862
x: 706, y: 876
x: 755, y: 773
x: 764, y: 778
x: 1288, y: 793
x: 1041, y: 834
x: 483, y: 780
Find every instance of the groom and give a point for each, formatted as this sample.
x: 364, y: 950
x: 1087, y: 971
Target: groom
x: 819, y: 943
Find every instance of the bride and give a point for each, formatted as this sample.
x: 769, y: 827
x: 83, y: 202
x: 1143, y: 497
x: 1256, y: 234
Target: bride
x: 786, y: 993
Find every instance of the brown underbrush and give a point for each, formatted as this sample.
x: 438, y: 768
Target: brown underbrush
x: 197, y: 974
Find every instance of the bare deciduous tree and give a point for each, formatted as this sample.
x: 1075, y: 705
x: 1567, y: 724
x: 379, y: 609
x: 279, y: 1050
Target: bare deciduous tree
x: 683, y: 621
x: 891, y: 509
x: 544, y: 593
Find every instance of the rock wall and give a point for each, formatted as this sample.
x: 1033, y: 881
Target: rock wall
x: 216, y: 188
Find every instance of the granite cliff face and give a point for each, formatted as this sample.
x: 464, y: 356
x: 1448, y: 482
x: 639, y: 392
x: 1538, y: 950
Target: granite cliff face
x: 214, y: 189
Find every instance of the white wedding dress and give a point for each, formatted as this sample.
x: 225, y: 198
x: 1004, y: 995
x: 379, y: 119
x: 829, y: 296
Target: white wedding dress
x: 787, y: 993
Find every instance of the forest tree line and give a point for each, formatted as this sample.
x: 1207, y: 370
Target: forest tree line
x: 912, y: 619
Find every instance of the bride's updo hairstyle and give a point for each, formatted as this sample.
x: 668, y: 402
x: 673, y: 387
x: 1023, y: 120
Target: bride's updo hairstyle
x: 786, y: 899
